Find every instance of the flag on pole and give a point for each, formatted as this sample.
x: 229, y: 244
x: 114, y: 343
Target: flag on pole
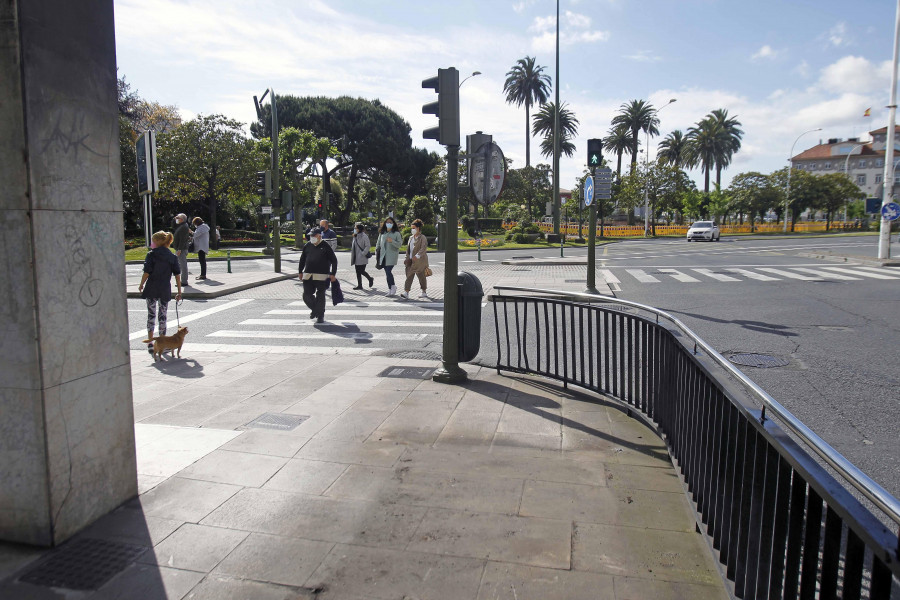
x: 868, y: 112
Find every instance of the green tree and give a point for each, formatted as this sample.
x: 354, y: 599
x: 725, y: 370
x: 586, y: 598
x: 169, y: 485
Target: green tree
x: 205, y: 163
x: 636, y: 116
x: 568, y: 128
x: 618, y: 141
x: 673, y: 149
x: 804, y: 192
x: 719, y: 203
x: 753, y: 194
x: 531, y: 186
x: 704, y: 145
x: 836, y: 190
x: 420, y: 208
x: 693, y: 203
x: 729, y: 139
x: 526, y: 84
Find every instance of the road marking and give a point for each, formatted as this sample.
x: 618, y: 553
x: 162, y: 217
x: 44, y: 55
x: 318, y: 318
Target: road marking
x: 717, y: 276
x: 642, y: 276
x: 401, y: 304
x: 679, y: 276
x: 608, y: 276
x: 753, y: 275
x: 880, y: 271
x: 203, y: 313
x: 789, y: 274
x: 344, y: 322
x: 826, y: 274
x: 860, y: 273
x: 243, y: 348
x: 323, y: 335
x: 364, y: 312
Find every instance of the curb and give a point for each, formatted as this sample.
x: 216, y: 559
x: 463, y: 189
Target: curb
x: 226, y: 290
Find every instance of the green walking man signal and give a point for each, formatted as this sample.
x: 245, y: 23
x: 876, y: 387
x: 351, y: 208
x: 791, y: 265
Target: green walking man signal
x: 595, y: 152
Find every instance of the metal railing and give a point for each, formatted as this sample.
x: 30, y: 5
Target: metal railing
x: 783, y: 526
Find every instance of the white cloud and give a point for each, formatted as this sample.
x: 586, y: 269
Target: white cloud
x: 837, y: 35
x: 856, y: 74
x: 765, y: 52
x: 643, y: 56
x: 520, y: 7
x: 575, y: 29
x: 802, y: 69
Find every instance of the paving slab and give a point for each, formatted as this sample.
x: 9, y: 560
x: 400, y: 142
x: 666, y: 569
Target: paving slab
x: 275, y: 559
x: 195, y: 548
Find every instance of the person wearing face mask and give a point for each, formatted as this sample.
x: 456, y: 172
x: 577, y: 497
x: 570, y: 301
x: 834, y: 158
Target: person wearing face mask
x: 180, y: 244
x: 359, y: 255
x: 416, y: 260
x: 318, y: 264
x: 387, y: 249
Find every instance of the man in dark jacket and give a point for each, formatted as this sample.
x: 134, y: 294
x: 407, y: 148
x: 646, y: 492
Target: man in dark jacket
x: 182, y: 241
x: 318, y: 265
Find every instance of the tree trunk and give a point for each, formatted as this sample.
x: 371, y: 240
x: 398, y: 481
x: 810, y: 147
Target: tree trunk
x: 213, y: 209
x: 351, y: 190
x: 718, y: 176
x: 527, y: 136
x: 634, y: 148
x: 326, y: 189
x: 619, y: 165
x: 706, y: 181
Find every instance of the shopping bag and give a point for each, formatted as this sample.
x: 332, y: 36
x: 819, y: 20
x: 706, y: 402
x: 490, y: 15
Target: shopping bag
x: 337, y: 296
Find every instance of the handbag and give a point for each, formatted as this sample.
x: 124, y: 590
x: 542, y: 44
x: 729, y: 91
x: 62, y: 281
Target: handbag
x: 368, y: 252
x: 428, y: 272
x: 191, y: 247
x: 337, y: 296
x: 407, y: 262
x: 378, y: 264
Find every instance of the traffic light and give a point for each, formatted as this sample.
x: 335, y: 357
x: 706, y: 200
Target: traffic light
x: 595, y: 152
x: 264, y: 183
x: 446, y: 84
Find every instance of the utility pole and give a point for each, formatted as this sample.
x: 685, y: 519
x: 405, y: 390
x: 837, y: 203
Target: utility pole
x: 884, y: 237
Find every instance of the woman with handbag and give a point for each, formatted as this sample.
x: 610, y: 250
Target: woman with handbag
x: 360, y: 253
x: 416, y: 261
x: 387, y: 251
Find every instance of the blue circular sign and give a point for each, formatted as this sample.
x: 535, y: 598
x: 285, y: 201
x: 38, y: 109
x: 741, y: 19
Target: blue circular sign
x: 890, y: 211
x: 588, y: 190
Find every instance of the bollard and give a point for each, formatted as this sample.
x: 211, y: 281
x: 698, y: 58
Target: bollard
x: 478, y: 241
x: 228, y: 258
x: 562, y: 240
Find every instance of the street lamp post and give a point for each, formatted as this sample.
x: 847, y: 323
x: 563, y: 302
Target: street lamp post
x: 474, y: 73
x: 847, y: 173
x: 787, y: 195
x: 647, y: 174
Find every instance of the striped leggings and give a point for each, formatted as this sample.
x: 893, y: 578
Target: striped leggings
x: 157, y: 308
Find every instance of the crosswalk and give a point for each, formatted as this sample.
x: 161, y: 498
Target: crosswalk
x: 355, y: 327
x: 695, y: 275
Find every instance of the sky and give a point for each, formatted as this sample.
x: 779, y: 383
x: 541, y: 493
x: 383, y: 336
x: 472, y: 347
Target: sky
x: 781, y: 67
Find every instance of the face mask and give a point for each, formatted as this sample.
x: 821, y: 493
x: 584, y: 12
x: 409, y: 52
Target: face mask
x: 415, y: 231
x: 388, y: 226
x: 316, y: 241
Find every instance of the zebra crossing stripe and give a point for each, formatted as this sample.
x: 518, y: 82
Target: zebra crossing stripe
x: 642, y: 276
x: 401, y: 305
x: 323, y: 334
x: 716, y: 276
x: 860, y: 273
x: 881, y: 271
x: 257, y: 349
x: 608, y: 276
x: 826, y: 274
x: 346, y: 322
x: 679, y: 276
x: 753, y: 275
x: 789, y: 274
x: 362, y: 312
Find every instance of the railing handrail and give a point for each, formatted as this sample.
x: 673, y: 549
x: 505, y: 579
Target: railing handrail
x: 850, y: 472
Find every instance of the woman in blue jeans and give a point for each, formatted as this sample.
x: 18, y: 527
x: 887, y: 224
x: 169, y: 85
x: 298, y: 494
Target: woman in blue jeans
x: 387, y: 248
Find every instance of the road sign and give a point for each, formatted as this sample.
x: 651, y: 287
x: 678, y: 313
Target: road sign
x: 266, y: 210
x: 599, y: 196
x: 890, y: 211
x: 588, y: 190
x: 147, y: 173
x: 497, y: 174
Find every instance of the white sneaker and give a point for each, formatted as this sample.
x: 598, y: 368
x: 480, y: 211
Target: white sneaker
x: 424, y: 296
x: 404, y: 295
x: 392, y: 291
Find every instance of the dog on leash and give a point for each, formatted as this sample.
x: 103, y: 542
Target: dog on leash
x: 168, y: 343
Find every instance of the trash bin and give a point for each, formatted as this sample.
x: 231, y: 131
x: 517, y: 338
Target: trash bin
x: 470, y: 295
x: 442, y: 237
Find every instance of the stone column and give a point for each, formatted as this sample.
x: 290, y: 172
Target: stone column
x: 66, y: 417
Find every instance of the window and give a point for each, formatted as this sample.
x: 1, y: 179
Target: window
x: 827, y: 165
x: 877, y: 179
x: 879, y: 162
x: 860, y: 180
x: 862, y: 164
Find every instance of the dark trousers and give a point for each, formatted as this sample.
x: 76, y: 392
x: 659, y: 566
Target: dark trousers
x: 360, y: 273
x: 314, y: 295
x: 202, y: 256
x: 389, y: 275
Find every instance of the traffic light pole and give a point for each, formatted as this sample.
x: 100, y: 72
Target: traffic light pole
x: 276, y: 187
x: 450, y: 371
x: 592, y: 248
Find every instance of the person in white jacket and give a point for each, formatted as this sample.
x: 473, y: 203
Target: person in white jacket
x: 201, y: 243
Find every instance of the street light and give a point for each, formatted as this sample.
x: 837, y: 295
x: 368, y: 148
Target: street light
x: 791, y: 168
x: 647, y: 167
x: 847, y: 173
x: 474, y: 73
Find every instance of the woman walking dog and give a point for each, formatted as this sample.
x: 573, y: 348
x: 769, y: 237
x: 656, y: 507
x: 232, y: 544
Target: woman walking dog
x: 159, y: 267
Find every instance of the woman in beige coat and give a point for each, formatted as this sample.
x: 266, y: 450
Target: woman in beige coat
x: 416, y: 260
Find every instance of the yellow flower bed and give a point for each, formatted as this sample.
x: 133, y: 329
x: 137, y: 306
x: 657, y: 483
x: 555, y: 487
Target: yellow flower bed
x: 485, y: 243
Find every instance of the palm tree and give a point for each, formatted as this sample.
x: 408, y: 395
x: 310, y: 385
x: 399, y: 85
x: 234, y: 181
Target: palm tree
x: 673, y: 149
x: 526, y: 84
x: 568, y: 128
x: 636, y: 116
x: 704, y: 144
x: 729, y: 134
x: 619, y: 141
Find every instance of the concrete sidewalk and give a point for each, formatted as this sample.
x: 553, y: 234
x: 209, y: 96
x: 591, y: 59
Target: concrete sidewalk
x: 265, y: 476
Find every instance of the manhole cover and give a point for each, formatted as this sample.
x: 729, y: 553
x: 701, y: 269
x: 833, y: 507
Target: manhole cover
x: 277, y: 421
x: 84, y: 564
x: 415, y: 354
x: 760, y: 361
x: 407, y: 372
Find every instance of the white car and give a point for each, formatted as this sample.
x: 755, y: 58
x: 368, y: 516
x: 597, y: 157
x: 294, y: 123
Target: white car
x: 703, y: 230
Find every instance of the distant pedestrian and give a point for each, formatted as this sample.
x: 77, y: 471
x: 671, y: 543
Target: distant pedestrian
x: 218, y: 235
x: 416, y: 260
x: 360, y: 253
x: 328, y: 234
x: 387, y: 249
x: 181, y: 243
x: 159, y: 266
x: 318, y: 265
x: 201, y: 243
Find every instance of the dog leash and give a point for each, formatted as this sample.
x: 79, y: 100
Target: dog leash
x: 177, y: 316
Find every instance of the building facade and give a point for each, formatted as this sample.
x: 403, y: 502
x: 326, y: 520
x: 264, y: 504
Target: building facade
x: 863, y: 161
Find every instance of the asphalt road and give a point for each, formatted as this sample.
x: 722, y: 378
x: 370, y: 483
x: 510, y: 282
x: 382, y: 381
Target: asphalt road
x: 759, y: 295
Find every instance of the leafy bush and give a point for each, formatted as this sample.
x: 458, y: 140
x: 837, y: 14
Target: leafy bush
x: 288, y: 227
x: 427, y: 230
x: 520, y: 238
